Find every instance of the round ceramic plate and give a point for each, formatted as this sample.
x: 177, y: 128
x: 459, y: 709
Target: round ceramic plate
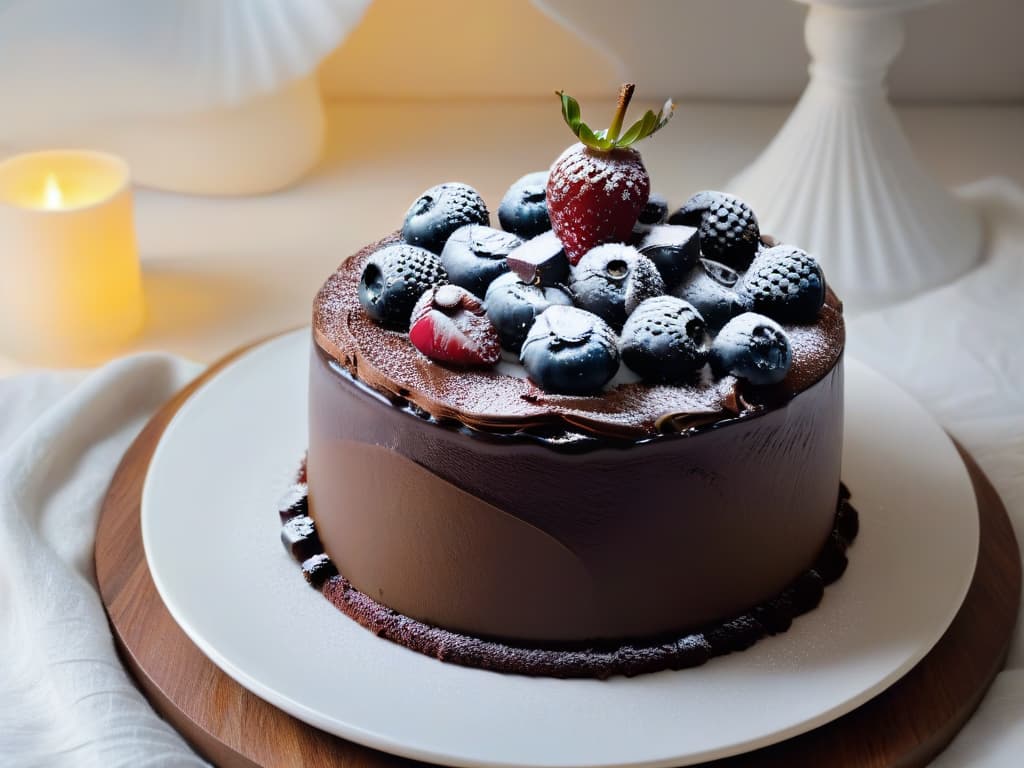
x: 211, y: 533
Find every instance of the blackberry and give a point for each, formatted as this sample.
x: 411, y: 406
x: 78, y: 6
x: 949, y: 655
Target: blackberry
x: 787, y: 284
x: 441, y: 210
x: 664, y: 340
x: 728, y: 228
x: 393, y: 280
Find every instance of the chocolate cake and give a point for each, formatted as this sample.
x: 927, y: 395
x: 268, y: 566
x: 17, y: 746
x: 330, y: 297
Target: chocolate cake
x: 594, y: 442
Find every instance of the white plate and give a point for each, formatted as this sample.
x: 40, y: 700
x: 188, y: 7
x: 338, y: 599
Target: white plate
x: 210, y: 528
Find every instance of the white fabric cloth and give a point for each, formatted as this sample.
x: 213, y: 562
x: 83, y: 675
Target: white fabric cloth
x: 960, y: 351
x: 64, y: 697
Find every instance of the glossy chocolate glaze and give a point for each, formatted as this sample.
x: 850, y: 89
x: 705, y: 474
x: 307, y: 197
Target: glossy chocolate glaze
x: 590, y: 660
x: 510, y: 539
x: 463, y: 500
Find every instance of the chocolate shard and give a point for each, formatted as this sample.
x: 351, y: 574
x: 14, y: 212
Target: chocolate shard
x: 299, y: 537
x: 318, y: 569
x: 294, y: 502
x: 540, y: 261
x: 673, y: 248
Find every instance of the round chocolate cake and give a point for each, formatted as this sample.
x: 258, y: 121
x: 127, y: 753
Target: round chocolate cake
x: 599, y: 440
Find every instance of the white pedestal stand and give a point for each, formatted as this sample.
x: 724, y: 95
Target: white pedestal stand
x: 840, y: 178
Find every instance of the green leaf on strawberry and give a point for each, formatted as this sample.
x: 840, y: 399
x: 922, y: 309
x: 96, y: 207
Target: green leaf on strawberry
x: 610, y: 138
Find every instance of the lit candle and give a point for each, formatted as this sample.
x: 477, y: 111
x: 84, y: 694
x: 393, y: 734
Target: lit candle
x: 70, y: 284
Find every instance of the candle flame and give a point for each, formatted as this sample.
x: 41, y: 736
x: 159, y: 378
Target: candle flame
x: 53, y: 196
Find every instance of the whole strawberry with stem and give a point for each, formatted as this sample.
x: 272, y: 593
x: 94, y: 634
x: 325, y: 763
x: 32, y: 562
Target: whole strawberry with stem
x: 597, y: 187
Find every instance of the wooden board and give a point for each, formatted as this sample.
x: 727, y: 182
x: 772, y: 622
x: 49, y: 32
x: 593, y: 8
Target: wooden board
x: 904, y: 726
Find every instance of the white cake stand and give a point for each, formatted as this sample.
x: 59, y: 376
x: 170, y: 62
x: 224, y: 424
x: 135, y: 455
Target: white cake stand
x: 840, y: 178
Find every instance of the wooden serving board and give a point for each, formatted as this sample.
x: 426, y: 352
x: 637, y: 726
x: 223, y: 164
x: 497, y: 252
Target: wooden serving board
x: 906, y: 725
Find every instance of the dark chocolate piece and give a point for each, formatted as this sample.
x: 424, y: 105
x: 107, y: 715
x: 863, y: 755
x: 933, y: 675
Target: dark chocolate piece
x: 294, y: 503
x: 847, y: 522
x: 831, y: 563
x: 299, y: 537
x: 318, y: 569
x: 775, y: 615
x: 737, y: 634
x: 540, y: 261
x: 674, y: 250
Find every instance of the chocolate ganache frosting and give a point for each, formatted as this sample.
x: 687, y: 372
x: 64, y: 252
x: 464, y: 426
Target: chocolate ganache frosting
x: 503, y: 402
x: 473, y: 501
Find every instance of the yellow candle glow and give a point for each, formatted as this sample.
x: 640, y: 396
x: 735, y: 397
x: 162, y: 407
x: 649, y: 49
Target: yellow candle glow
x: 53, y: 198
x: 70, y: 284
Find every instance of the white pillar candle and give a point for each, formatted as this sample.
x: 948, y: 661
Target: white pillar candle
x: 70, y: 283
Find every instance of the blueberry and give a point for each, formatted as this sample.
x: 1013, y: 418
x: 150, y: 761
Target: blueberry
x: 541, y: 261
x: 711, y: 288
x: 612, y: 279
x: 728, y: 228
x: 474, y: 255
x: 664, y: 340
x: 393, y: 279
x: 512, y: 306
x: 752, y: 347
x: 673, y: 249
x: 655, y: 211
x: 569, y: 351
x: 524, y: 208
x: 441, y: 210
x: 786, y: 283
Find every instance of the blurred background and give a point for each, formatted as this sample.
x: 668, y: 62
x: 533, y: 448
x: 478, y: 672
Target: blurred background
x: 272, y: 138
x: 744, y: 50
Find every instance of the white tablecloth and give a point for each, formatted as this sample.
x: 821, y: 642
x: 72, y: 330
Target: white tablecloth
x: 65, y: 699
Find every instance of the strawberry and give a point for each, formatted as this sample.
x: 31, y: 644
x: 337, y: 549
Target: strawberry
x: 449, y: 325
x: 597, y: 187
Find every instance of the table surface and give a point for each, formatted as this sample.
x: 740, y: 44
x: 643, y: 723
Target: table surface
x: 220, y: 272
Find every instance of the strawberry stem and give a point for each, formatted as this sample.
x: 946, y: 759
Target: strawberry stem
x: 625, y: 94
